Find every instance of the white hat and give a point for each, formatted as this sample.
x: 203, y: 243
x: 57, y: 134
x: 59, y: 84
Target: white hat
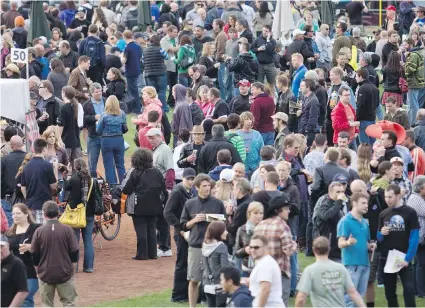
x: 154, y: 132
x: 226, y: 175
x: 297, y: 32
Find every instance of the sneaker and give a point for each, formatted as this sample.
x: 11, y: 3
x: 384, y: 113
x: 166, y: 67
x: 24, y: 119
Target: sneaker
x: 85, y: 153
x: 167, y: 253
x: 380, y: 285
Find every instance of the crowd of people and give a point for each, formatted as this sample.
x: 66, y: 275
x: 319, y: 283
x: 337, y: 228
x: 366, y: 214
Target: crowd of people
x: 254, y: 148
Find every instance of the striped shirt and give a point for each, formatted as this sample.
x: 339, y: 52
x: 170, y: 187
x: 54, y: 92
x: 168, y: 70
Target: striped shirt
x: 237, y: 142
x: 279, y: 236
x: 163, y: 53
x: 416, y: 202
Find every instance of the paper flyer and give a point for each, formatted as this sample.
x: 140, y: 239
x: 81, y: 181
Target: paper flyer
x: 394, y: 261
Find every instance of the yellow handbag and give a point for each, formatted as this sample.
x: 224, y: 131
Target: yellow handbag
x: 76, y: 218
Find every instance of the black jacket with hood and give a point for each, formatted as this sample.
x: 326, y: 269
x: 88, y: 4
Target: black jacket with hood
x: 174, y: 207
x: 367, y: 101
x: 53, y: 107
x: 208, y: 156
x: 244, y: 66
x: 239, y: 104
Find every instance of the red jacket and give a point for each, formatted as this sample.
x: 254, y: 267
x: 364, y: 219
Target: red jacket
x: 143, y: 140
x: 340, y: 122
x: 262, y: 109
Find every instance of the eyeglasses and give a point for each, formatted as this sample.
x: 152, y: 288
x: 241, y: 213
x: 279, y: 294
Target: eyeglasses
x: 327, y: 29
x: 255, y: 247
x: 41, y: 87
x: 199, y: 4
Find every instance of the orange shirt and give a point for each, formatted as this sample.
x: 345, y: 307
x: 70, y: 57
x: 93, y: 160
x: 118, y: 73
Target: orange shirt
x: 418, y: 157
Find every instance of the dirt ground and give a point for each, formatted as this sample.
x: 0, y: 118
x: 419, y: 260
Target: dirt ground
x: 116, y: 275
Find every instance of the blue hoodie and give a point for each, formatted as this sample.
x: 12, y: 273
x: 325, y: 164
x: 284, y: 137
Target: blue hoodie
x: 215, y: 173
x: 241, y: 298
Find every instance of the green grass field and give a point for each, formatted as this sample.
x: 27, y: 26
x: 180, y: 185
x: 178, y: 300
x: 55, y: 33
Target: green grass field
x: 162, y: 299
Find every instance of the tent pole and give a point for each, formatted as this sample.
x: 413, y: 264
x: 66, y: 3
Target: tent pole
x: 380, y: 13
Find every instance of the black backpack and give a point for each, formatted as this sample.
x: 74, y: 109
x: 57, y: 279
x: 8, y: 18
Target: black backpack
x: 92, y: 50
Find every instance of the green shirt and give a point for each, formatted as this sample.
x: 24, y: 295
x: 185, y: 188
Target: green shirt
x: 238, y: 143
x: 325, y: 282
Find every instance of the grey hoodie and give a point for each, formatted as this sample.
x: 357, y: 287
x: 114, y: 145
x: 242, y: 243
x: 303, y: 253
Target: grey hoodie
x: 216, y: 254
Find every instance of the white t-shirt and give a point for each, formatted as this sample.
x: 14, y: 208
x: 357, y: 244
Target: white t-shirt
x: 267, y: 269
x: 80, y: 118
x: 176, y: 156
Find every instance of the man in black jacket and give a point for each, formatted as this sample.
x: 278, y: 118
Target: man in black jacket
x: 172, y: 213
x: 326, y: 216
x: 389, y: 142
x: 68, y: 56
x: 208, y: 156
x: 392, y: 45
x: 193, y: 219
x: 264, y: 47
x: 240, y: 103
x: 48, y: 103
x: 93, y: 108
x: 367, y: 102
x: 309, y: 114
x: 243, y: 29
x: 242, y: 193
x: 244, y: 66
x: 298, y: 45
x: 189, y: 155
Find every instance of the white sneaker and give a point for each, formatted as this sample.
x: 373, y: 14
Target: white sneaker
x: 161, y: 253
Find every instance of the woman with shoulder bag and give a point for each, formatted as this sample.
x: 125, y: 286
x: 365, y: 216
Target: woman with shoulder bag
x: 148, y: 186
x: 111, y: 126
x: 214, y: 257
x: 82, y: 191
x: 20, y: 236
x: 117, y: 85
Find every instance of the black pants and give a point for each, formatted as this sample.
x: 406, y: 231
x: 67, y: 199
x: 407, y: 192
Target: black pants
x: 407, y: 280
x: 211, y: 300
x: 146, y: 236
x: 163, y: 235
x: 172, y: 81
x: 167, y: 128
x: 181, y: 284
x: 95, y: 74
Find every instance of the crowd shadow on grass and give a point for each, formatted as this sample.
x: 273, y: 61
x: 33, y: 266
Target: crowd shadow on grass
x: 162, y: 299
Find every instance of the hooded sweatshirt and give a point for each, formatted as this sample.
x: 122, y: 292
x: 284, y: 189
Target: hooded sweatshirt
x: 182, y: 115
x: 214, y: 257
x: 241, y: 298
x: 150, y: 105
x: 185, y: 51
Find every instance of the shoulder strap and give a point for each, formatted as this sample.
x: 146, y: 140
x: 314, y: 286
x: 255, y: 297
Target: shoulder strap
x: 91, y: 187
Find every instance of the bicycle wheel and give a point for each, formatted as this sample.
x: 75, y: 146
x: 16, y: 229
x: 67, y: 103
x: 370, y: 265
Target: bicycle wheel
x: 110, y: 225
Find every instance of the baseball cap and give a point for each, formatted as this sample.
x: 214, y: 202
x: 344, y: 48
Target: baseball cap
x: 189, y: 173
x: 297, y: 32
x: 244, y: 82
x: 279, y: 202
x: 340, y: 178
x: 3, y: 240
x: 397, y: 160
x: 391, y: 8
x: 43, y: 39
x: 80, y: 9
x: 281, y: 116
x: 227, y: 175
x: 154, y: 132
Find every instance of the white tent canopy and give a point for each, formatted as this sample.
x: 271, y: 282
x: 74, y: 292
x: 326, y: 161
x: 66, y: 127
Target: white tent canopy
x: 15, y: 99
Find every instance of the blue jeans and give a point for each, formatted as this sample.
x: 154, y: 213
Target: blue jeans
x: 380, y: 112
x: 88, y: 243
x: 93, y: 152
x: 32, y: 284
x: 229, y: 85
x: 7, y: 208
x: 133, y: 89
x: 415, y: 99
x: 113, y: 156
x: 359, y: 275
x: 184, y: 80
x: 221, y: 81
x: 160, y: 84
x: 362, y: 134
x: 268, y: 138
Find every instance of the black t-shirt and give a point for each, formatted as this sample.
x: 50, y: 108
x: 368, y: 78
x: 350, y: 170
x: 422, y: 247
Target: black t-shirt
x: 13, y: 279
x: 354, y: 10
x: 71, y: 131
x: 15, y: 240
x: 36, y: 177
x: 221, y: 109
x: 401, y: 221
x: 83, y: 23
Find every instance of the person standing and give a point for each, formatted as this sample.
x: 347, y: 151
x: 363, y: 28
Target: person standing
x: 265, y: 281
x: 262, y: 109
x: 395, y: 114
x: 340, y: 41
x: 93, y: 47
x: 172, y: 213
x: 280, y: 243
x: 131, y: 57
x: 49, y: 105
x: 79, y: 81
x: 14, y: 288
x: 68, y: 56
x: 188, y: 157
x: 170, y: 45
x: 324, y: 44
x: 367, y: 102
x: 398, y: 228
x: 38, y: 180
x: 286, y: 102
x: 297, y: 62
x: 55, y: 254
x: 318, y: 279
x: 193, y: 219
x: 93, y: 109
x: 392, y: 45
x: 353, y: 240
x: 280, y: 124
x: 220, y: 39
x: 111, y: 127
x: 309, y: 113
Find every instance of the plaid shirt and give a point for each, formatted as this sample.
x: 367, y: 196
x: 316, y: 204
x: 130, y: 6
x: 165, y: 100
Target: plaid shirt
x: 405, y: 184
x: 280, y: 240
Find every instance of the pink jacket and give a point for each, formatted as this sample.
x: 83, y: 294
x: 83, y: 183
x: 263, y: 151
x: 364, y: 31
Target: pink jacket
x: 153, y: 104
x: 4, y: 225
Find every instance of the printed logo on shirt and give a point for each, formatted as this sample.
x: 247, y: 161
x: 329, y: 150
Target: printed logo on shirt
x: 332, y: 281
x: 396, y: 223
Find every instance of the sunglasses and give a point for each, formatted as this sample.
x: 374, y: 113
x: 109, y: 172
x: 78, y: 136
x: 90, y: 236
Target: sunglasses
x: 255, y: 247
